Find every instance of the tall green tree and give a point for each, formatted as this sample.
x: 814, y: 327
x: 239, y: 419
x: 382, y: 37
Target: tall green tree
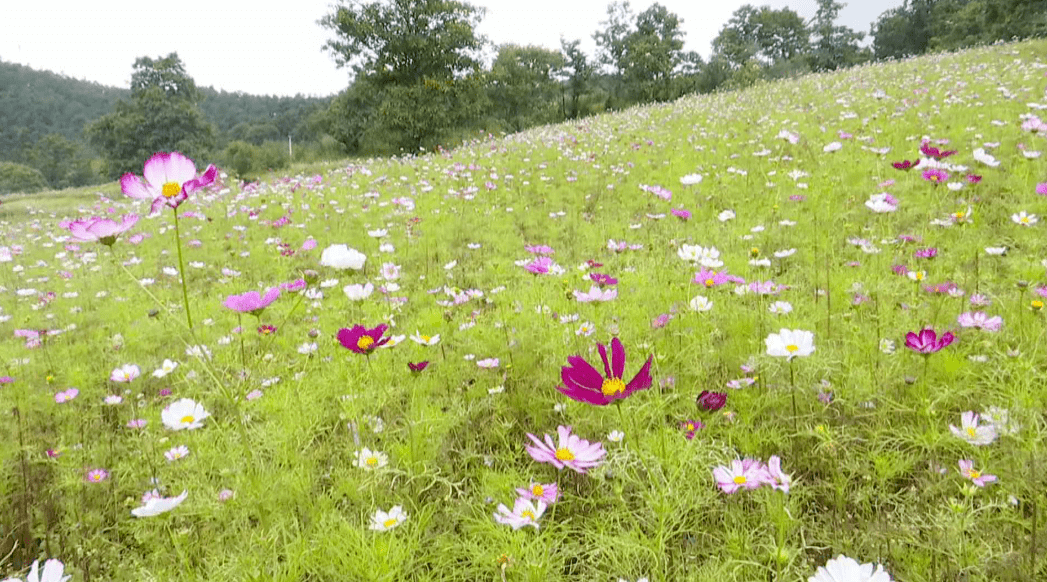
x: 419, y: 56
x: 159, y: 117
x: 62, y: 162
x: 578, y: 73
x: 903, y: 31
x: 770, y: 36
x: 522, y: 85
x: 611, y: 47
x: 653, y: 50
x: 834, y: 46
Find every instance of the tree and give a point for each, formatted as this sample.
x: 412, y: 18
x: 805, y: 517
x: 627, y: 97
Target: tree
x: 773, y: 37
x: 578, y: 72
x: 63, y: 163
x: 167, y: 74
x: 159, y: 117
x: 903, y: 31
x: 416, y: 59
x: 522, y: 86
x: 19, y: 179
x: 611, y: 45
x: 834, y: 46
x: 652, y: 53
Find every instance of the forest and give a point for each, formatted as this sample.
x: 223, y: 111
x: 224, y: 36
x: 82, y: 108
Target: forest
x: 414, y: 91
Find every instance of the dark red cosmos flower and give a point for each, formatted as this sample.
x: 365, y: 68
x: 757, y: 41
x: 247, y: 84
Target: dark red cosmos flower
x: 903, y: 165
x: 417, y: 368
x: 603, y: 280
x: 927, y: 342
x: 593, y: 264
x: 583, y: 383
x: 933, y: 152
x: 711, y: 401
x: 362, y: 340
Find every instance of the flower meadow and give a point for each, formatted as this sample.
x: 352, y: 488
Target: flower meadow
x: 790, y: 333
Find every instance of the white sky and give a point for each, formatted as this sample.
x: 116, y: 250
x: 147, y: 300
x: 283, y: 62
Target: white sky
x: 274, y: 47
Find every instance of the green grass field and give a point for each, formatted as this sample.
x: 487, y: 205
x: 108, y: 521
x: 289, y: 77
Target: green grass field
x: 276, y: 487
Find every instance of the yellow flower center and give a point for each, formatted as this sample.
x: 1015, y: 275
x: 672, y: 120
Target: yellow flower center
x: 709, y: 282
x: 1037, y: 304
x: 612, y: 386
x: 970, y: 432
x: 740, y: 480
x: 365, y: 342
x: 372, y: 461
x: 935, y: 178
x: 188, y: 419
x: 564, y: 455
x: 537, y: 490
x: 171, y: 189
x: 691, y: 427
x: 973, y: 474
x: 425, y: 338
x: 1025, y: 220
x: 389, y: 523
x: 792, y: 348
x: 528, y: 514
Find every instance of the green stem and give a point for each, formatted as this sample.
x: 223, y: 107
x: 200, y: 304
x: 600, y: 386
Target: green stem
x: 181, y: 271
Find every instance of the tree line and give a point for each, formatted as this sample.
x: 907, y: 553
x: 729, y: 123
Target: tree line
x: 421, y: 80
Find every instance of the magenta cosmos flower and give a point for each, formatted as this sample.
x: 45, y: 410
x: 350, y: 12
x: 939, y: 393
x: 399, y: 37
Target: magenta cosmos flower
x: 927, y: 341
x: 252, y: 302
x: 169, y: 178
x: 361, y: 340
x: 584, y: 383
x: 100, y: 230
x: 935, y: 175
x: 571, y: 451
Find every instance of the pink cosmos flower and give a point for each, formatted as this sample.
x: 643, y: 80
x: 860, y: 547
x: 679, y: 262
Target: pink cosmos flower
x: 710, y: 278
x: 1041, y: 188
x: 595, y: 294
x: 681, y: 213
x: 935, y: 175
x: 691, y: 427
x: 66, y: 395
x: 125, y: 373
x: 488, y: 363
x: 252, y: 302
x: 778, y: 479
x: 570, y: 451
x: 96, y: 475
x: 977, y: 477
x: 540, y: 266
x: 169, y: 179
x: 101, y: 230
x: 980, y: 320
x: 584, y: 383
x: 361, y: 340
x: 539, y: 249
x: 603, y: 280
x: 926, y: 342
x: 745, y: 473
x: 544, y: 492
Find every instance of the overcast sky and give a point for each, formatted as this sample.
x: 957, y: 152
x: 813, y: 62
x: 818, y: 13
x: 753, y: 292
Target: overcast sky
x: 274, y: 47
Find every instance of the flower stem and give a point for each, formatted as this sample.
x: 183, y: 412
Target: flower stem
x: 181, y: 271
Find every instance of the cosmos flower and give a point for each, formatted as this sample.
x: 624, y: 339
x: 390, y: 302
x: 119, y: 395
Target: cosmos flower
x: 166, y: 368
x: 425, y: 340
x: 342, y: 257
x: 382, y: 521
x: 570, y: 451
x: 101, y: 230
x: 980, y: 320
x: 252, y: 302
x: 972, y: 431
x: 544, y: 492
x: 525, y: 512
x: 595, y: 293
x: 125, y: 373
x: 778, y: 479
x: 926, y: 342
x: 935, y: 175
x: 977, y: 477
x: 365, y: 458
x: 156, y: 505
x: 584, y: 383
x: 184, y: 413
x: 745, y: 473
x: 53, y: 572
x: 844, y: 569
x: 789, y: 343
x: 361, y: 340
x: 169, y: 179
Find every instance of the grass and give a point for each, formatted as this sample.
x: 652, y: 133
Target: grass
x: 874, y: 469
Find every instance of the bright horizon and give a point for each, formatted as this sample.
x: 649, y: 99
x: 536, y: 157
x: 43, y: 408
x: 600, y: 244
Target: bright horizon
x: 275, y: 48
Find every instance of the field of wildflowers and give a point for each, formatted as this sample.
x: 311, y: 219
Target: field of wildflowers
x: 790, y: 333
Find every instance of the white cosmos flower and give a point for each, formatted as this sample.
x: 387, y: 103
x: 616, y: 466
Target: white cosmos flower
x: 701, y: 303
x: 784, y: 253
x: 725, y: 216
x: 53, y: 572
x: 1024, y: 219
x: 184, y: 413
x: 780, y: 307
x: 424, y: 339
x: 844, y: 569
x: 157, y: 505
x: 789, y: 343
x: 692, y: 253
x: 379, y: 233
x: 832, y: 147
x: 365, y: 458
x: 985, y: 158
x: 342, y: 257
x: 382, y: 521
x: 996, y: 251
x: 358, y: 292
x: 691, y: 179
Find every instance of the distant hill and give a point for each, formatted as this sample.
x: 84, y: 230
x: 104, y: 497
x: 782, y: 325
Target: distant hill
x: 37, y: 103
